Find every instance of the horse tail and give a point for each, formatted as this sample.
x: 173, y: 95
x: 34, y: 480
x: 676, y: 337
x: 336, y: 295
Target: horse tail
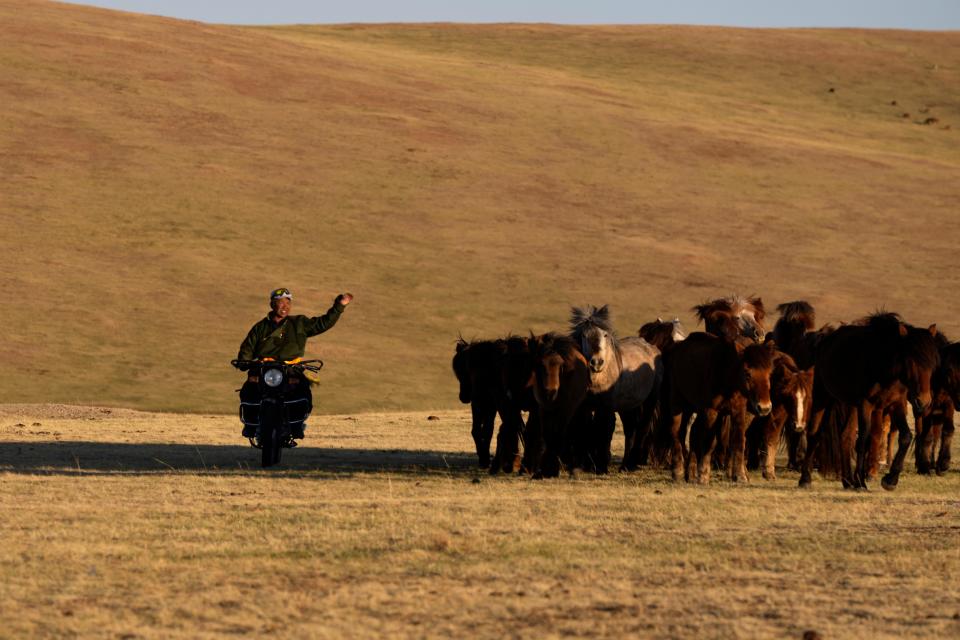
x: 830, y: 449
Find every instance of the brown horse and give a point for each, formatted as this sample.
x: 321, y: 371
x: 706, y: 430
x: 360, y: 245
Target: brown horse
x: 714, y: 378
x: 791, y: 392
x: 863, y: 369
x: 795, y: 336
x: 936, y: 425
x: 562, y: 380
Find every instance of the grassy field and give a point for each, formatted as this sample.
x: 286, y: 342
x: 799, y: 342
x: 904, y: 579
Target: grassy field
x: 159, y: 177
x: 120, y: 524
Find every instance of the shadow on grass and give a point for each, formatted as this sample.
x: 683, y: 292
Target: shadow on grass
x: 101, y: 458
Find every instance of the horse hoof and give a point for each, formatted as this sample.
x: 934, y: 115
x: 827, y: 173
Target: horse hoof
x: 805, y: 484
x: 888, y: 483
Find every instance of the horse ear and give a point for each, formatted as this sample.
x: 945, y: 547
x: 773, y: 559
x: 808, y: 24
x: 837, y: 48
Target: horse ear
x: 461, y: 344
x: 903, y: 330
x: 770, y: 343
x: 933, y: 330
x: 739, y: 347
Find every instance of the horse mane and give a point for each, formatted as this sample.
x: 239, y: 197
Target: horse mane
x: 718, y: 318
x: 881, y: 321
x: 583, y: 317
x: 921, y: 348
x: 554, y: 343
x: 798, y: 312
x: 658, y: 333
x: 739, y: 304
x: 758, y: 356
x: 709, y: 309
x: 792, y: 381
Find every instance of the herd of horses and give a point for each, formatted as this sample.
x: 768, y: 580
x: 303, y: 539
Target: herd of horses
x: 725, y: 398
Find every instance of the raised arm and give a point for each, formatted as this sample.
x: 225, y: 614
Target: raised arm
x: 322, y: 323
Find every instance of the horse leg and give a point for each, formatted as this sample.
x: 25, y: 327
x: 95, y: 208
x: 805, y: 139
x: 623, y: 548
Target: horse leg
x: 923, y: 450
x: 676, y: 449
x: 899, y: 420
x: 795, y: 449
x: 879, y: 426
x: 772, y: 432
x: 848, y: 446
x: 756, y: 441
x: 738, y: 442
x: 946, y: 436
x: 867, y: 414
x: 813, y: 439
x: 605, y: 423
x: 481, y: 417
x: 707, y: 425
x: 630, y: 433
x: 694, y: 452
x: 532, y: 443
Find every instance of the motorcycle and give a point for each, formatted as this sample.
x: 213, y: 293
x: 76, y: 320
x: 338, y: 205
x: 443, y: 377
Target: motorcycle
x: 282, y: 408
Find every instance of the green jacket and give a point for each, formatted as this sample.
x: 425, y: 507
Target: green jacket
x: 288, y: 340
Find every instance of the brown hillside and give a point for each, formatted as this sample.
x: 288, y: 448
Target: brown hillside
x: 159, y: 177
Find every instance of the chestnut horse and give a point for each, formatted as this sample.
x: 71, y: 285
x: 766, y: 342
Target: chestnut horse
x: 562, y: 380
x: 625, y: 378
x: 794, y: 335
x: 716, y: 379
x: 864, y: 369
x: 791, y: 392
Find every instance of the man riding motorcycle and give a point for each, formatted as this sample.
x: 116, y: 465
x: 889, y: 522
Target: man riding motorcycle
x: 283, y: 337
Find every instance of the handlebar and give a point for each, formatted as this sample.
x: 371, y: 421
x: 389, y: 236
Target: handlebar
x: 310, y: 365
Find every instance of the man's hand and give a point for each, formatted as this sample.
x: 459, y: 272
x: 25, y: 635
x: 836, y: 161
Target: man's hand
x: 345, y: 298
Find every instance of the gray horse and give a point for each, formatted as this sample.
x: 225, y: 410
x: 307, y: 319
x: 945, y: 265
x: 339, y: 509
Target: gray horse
x: 625, y: 378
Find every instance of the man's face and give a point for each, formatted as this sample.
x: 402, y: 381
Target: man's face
x: 281, y: 307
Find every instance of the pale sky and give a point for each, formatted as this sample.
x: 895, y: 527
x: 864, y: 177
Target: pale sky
x: 892, y: 14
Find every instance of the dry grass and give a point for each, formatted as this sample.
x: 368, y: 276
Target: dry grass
x: 125, y: 524
x: 160, y: 176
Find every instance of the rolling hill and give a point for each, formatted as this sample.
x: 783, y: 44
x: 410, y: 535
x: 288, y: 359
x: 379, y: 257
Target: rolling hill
x: 158, y: 177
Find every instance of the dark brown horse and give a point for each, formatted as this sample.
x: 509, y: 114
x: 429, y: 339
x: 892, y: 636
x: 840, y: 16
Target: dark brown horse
x: 562, y: 379
x: 935, y: 427
x: 862, y: 369
x: 714, y: 378
x: 477, y: 365
x: 791, y: 392
x: 516, y: 382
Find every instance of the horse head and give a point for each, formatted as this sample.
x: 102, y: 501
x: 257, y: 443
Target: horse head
x: 594, y: 334
x: 756, y: 366
x: 461, y: 369
x: 718, y: 319
x: 517, y: 369
x: 792, y: 389
x: 549, y: 353
x: 921, y: 357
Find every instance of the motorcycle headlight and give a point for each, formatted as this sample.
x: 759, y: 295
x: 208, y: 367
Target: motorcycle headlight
x: 273, y: 377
